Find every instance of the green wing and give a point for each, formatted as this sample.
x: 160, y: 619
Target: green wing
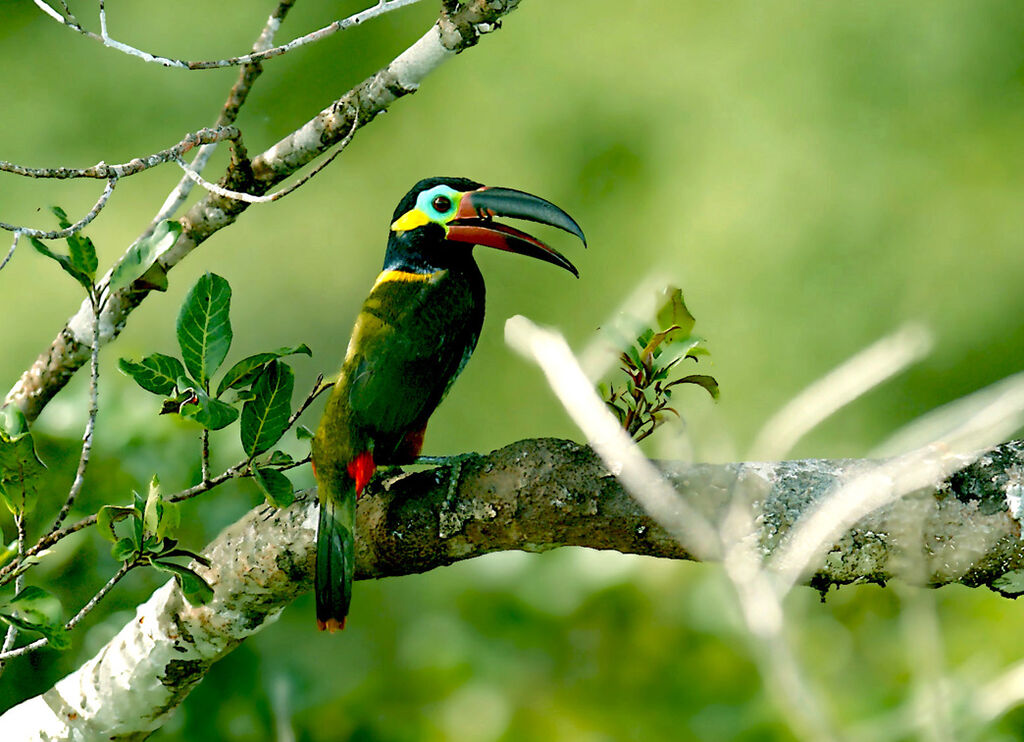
x: 411, y: 340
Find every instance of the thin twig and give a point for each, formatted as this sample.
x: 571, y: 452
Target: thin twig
x: 102, y: 170
x: 90, y: 425
x: 458, y: 30
x: 40, y: 643
x: 19, y: 522
x: 19, y: 583
x: 204, y: 458
x: 380, y: 8
x: 10, y: 253
x: 239, y: 93
x: 252, y: 199
x: 318, y: 389
x: 76, y: 227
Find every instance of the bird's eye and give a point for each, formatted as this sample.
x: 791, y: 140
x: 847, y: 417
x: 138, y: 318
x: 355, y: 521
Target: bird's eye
x: 441, y: 204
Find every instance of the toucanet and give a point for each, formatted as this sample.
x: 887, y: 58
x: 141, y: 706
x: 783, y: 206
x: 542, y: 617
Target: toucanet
x: 413, y: 336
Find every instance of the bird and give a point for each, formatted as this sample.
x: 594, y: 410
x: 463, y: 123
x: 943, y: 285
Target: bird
x: 413, y: 336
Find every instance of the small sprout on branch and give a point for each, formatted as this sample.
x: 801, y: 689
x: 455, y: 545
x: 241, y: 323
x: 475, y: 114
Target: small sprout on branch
x: 648, y: 363
x: 146, y: 539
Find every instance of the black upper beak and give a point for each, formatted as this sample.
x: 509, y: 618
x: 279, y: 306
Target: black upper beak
x: 474, y: 223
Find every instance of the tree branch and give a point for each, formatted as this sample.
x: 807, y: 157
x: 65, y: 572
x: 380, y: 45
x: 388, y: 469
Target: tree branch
x: 256, y: 56
x: 533, y: 495
x: 456, y: 30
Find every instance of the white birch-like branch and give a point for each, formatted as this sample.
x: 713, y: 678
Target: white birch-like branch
x: 533, y: 495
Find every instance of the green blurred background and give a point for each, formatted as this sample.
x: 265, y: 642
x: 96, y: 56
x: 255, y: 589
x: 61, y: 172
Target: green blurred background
x: 812, y: 174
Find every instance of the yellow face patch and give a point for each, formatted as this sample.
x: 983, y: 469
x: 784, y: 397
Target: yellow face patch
x: 410, y: 220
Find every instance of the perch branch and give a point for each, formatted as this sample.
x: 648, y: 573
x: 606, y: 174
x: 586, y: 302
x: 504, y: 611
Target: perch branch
x: 533, y: 495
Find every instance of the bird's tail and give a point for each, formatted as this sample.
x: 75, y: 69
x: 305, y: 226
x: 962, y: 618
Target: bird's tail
x: 335, y: 558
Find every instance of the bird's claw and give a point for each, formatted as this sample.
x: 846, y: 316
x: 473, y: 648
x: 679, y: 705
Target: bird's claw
x: 454, y: 465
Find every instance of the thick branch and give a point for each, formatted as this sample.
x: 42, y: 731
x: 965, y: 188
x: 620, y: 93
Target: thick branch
x: 533, y: 495
x: 454, y: 32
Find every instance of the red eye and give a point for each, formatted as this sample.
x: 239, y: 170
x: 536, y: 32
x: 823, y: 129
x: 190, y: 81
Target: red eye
x: 441, y: 204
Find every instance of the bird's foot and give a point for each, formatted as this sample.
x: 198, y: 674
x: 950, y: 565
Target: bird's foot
x: 454, y: 465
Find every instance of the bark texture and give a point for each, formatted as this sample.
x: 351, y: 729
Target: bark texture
x: 533, y: 495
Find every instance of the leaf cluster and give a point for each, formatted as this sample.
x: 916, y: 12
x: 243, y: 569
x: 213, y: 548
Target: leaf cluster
x: 141, y: 535
x: 256, y: 391
x: 650, y: 361
x: 139, y: 265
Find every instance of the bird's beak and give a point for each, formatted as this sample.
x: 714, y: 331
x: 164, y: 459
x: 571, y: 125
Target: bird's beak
x: 474, y: 223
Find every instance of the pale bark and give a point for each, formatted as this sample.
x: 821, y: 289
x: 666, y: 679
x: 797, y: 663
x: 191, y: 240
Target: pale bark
x: 533, y: 495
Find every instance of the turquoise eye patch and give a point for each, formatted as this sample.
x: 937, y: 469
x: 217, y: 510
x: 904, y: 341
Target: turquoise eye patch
x: 439, y: 203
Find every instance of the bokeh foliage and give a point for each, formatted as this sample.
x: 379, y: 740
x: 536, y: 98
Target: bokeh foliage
x: 812, y: 174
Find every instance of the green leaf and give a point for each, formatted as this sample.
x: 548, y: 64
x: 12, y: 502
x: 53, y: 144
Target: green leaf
x: 160, y: 517
x: 245, y: 372
x: 673, y: 312
x: 280, y: 458
x: 265, y: 417
x: 211, y: 413
x: 124, y: 549
x: 156, y: 373
x: 680, y: 349
x: 65, y: 262
x: 109, y: 515
x: 195, y: 589
x: 204, y: 327
x: 13, y: 423
x: 7, y: 553
x: 142, y: 255
x: 83, y: 255
x: 633, y: 355
x: 707, y: 382
x: 82, y: 252
x: 62, y: 217
x: 20, y: 466
x: 34, y: 609
x: 275, y: 486
x: 36, y: 599
x: 303, y: 433
x: 138, y: 527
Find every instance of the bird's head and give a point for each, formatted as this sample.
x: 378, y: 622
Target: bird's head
x: 440, y: 219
